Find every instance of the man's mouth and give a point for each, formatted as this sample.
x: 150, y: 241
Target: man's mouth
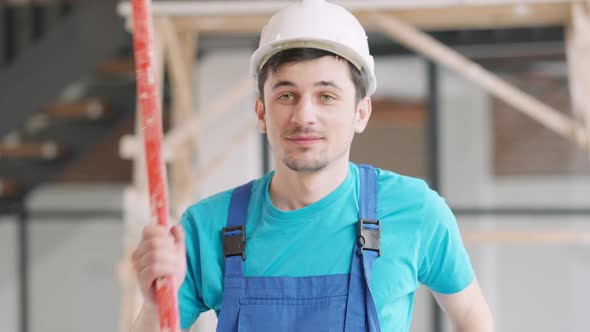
x: 304, y: 139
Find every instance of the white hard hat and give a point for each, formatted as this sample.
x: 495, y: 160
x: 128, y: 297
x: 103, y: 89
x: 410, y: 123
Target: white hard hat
x: 316, y: 24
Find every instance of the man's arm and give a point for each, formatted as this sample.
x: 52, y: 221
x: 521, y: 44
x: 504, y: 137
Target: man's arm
x: 160, y: 253
x: 467, y: 309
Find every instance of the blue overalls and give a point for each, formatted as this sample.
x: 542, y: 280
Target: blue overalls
x: 341, y: 302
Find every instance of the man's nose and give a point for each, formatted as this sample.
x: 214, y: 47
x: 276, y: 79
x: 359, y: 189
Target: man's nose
x: 305, y: 112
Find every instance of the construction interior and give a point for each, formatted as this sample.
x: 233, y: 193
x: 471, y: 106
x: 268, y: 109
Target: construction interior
x: 488, y: 100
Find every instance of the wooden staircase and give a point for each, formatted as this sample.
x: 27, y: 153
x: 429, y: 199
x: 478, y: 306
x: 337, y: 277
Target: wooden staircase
x: 54, y: 140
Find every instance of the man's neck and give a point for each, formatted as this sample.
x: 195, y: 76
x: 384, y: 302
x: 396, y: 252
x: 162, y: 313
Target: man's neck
x: 290, y: 190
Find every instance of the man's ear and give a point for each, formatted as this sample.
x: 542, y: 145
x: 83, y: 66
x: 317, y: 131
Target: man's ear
x: 363, y: 113
x: 260, y: 115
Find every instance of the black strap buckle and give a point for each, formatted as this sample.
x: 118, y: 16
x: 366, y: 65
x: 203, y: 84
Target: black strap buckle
x: 234, y: 245
x: 369, y: 238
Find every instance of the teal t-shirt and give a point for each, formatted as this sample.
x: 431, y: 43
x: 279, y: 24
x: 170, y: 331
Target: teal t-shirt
x: 420, y: 244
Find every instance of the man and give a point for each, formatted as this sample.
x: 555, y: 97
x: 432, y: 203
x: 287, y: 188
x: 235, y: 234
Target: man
x: 319, y: 244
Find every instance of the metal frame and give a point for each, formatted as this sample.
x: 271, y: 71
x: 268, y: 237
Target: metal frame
x: 433, y: 133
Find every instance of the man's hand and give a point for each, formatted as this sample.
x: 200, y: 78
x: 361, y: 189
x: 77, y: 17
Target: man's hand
x: 160, y: 253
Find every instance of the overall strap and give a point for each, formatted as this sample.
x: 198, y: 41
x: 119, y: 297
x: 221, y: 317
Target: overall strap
x: 361, y: 312
x: 369, y: 226
x: 234, y: 235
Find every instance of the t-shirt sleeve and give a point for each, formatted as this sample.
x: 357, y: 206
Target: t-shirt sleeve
x: 444, y: 264
x: 190, y: 300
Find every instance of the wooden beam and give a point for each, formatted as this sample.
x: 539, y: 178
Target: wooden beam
x: 116, y: 67
x: 230, y: 24
x: 182, y: 109
x: 15, y: 3
x: 180, y: 78
x: 243, y: 8
x: 482, y: 15
x: 8, y: 188
x: 87, y: 109
x: 199, y: 120
x: 225, y: 151
x: 578, y: 57
x: 432, y: 19
x: 160, y: 58
x: 174, y: 138
x: 48, y: 150
x: 438, y: 52
x: 553, y: 237
x: 190, y: 46
x: 180, y: 68
x: 250, y: 16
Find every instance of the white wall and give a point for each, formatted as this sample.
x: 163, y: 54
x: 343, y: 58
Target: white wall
x: 531, y: 287
x: 534, y: 287
x: 72, y: 283
x: 9, y: 303
x: 218, y: 72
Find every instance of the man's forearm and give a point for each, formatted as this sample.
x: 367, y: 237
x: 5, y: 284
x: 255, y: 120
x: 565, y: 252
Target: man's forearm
x: 480, y: 326
x: 478, y: 320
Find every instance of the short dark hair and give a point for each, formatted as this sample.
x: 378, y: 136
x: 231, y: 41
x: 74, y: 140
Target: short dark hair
x: 359, y: 78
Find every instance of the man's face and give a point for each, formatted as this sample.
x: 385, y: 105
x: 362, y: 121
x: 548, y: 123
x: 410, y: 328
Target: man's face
x: 310, y: 113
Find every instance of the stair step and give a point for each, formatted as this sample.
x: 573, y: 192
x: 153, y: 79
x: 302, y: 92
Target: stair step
x: 47, y: 150
x: 8, y: 188
x: 89, y: 109
x: 15, y: 3
x: 124, y: 67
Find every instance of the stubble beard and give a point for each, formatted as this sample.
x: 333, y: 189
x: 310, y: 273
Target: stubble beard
x: 314, y: 165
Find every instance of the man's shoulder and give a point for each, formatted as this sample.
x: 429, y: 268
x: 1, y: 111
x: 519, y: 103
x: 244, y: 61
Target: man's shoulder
x: 411, y: 193
x: 218, y: 204
x: 214, y: 201
x: 399, y: 192
x: 391, y: 182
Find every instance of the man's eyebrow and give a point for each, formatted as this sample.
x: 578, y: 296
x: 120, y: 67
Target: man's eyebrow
x: 291, y: 84
x: 282, y: 83
x: 328, y: 83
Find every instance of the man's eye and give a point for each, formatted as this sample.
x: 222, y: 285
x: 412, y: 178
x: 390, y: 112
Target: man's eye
x: 327, y: 97
x: 286, y: 96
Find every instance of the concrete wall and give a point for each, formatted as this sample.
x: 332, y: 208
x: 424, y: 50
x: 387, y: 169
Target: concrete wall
x: 72, y: 261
